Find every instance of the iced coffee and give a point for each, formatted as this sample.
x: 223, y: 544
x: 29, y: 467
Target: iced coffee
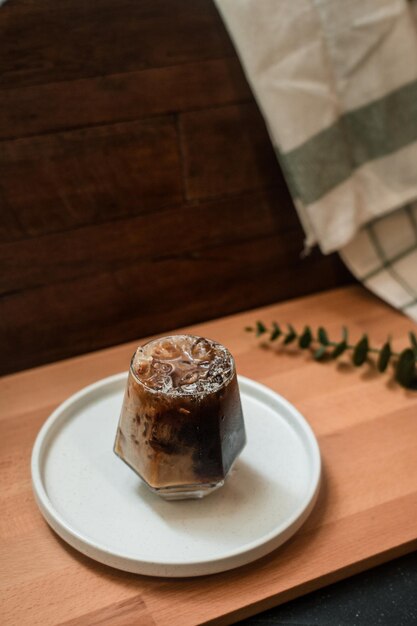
x: 181, y: 426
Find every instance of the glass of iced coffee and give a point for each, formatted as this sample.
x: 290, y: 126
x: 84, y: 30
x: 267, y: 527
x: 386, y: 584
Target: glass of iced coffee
x: 181, y: 426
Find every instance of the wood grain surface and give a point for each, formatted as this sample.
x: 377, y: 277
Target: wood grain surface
x: 366, y: 426
x: 139, y: 189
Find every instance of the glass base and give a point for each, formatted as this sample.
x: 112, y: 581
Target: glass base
x: 186, y: 492
x: 177, y: 492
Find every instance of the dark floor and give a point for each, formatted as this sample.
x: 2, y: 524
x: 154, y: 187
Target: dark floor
x: 385, y: 595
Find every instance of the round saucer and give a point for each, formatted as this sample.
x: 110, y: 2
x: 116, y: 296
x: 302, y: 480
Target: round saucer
x: 101, y: 508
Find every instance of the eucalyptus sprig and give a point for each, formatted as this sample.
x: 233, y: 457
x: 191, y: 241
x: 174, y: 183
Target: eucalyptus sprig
x: 322, y: 347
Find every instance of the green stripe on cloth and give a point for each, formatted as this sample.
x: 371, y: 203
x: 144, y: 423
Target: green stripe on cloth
x: 370, y: 132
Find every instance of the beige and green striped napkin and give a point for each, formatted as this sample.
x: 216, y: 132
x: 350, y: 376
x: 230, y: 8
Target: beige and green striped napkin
x: 337, y: 83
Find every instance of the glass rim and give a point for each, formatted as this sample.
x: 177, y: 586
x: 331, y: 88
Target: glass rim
x: 177, y: 393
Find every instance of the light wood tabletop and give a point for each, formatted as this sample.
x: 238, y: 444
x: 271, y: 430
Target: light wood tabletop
x: 366, y: 425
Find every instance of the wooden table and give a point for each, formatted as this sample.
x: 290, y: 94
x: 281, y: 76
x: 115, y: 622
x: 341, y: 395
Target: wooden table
x: 366, y: 514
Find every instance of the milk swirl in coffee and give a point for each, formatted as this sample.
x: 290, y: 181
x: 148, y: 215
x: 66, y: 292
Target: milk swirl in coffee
x: 181, y: 426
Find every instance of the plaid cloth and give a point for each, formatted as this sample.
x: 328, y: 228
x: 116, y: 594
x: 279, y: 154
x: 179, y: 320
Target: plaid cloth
x: 337, y: 83
x: 383, y: 255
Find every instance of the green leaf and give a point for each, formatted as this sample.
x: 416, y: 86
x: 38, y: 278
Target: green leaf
x: 260, y: 329
x: 345, y: 334
x: 249, y: 329
x: 291, y: 335
x: 339, y: 349
x: 384, y: 357
x: 306, y: 338
x: 322, y: 336
x: 276, y: 332
x: 406, y: 368
x: 319, y: 353
x: 413, y: 340
x: 361, y: 351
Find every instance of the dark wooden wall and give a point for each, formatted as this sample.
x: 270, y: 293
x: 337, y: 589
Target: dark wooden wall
x: 138, y: 188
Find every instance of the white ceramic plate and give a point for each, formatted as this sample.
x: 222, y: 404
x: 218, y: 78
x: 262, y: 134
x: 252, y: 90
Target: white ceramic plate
x: 101, y: 508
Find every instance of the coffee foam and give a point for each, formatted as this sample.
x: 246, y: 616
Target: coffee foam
x: 183, y: 365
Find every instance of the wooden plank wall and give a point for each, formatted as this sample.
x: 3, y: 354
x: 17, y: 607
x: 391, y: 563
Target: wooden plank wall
x: 138, y: 188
